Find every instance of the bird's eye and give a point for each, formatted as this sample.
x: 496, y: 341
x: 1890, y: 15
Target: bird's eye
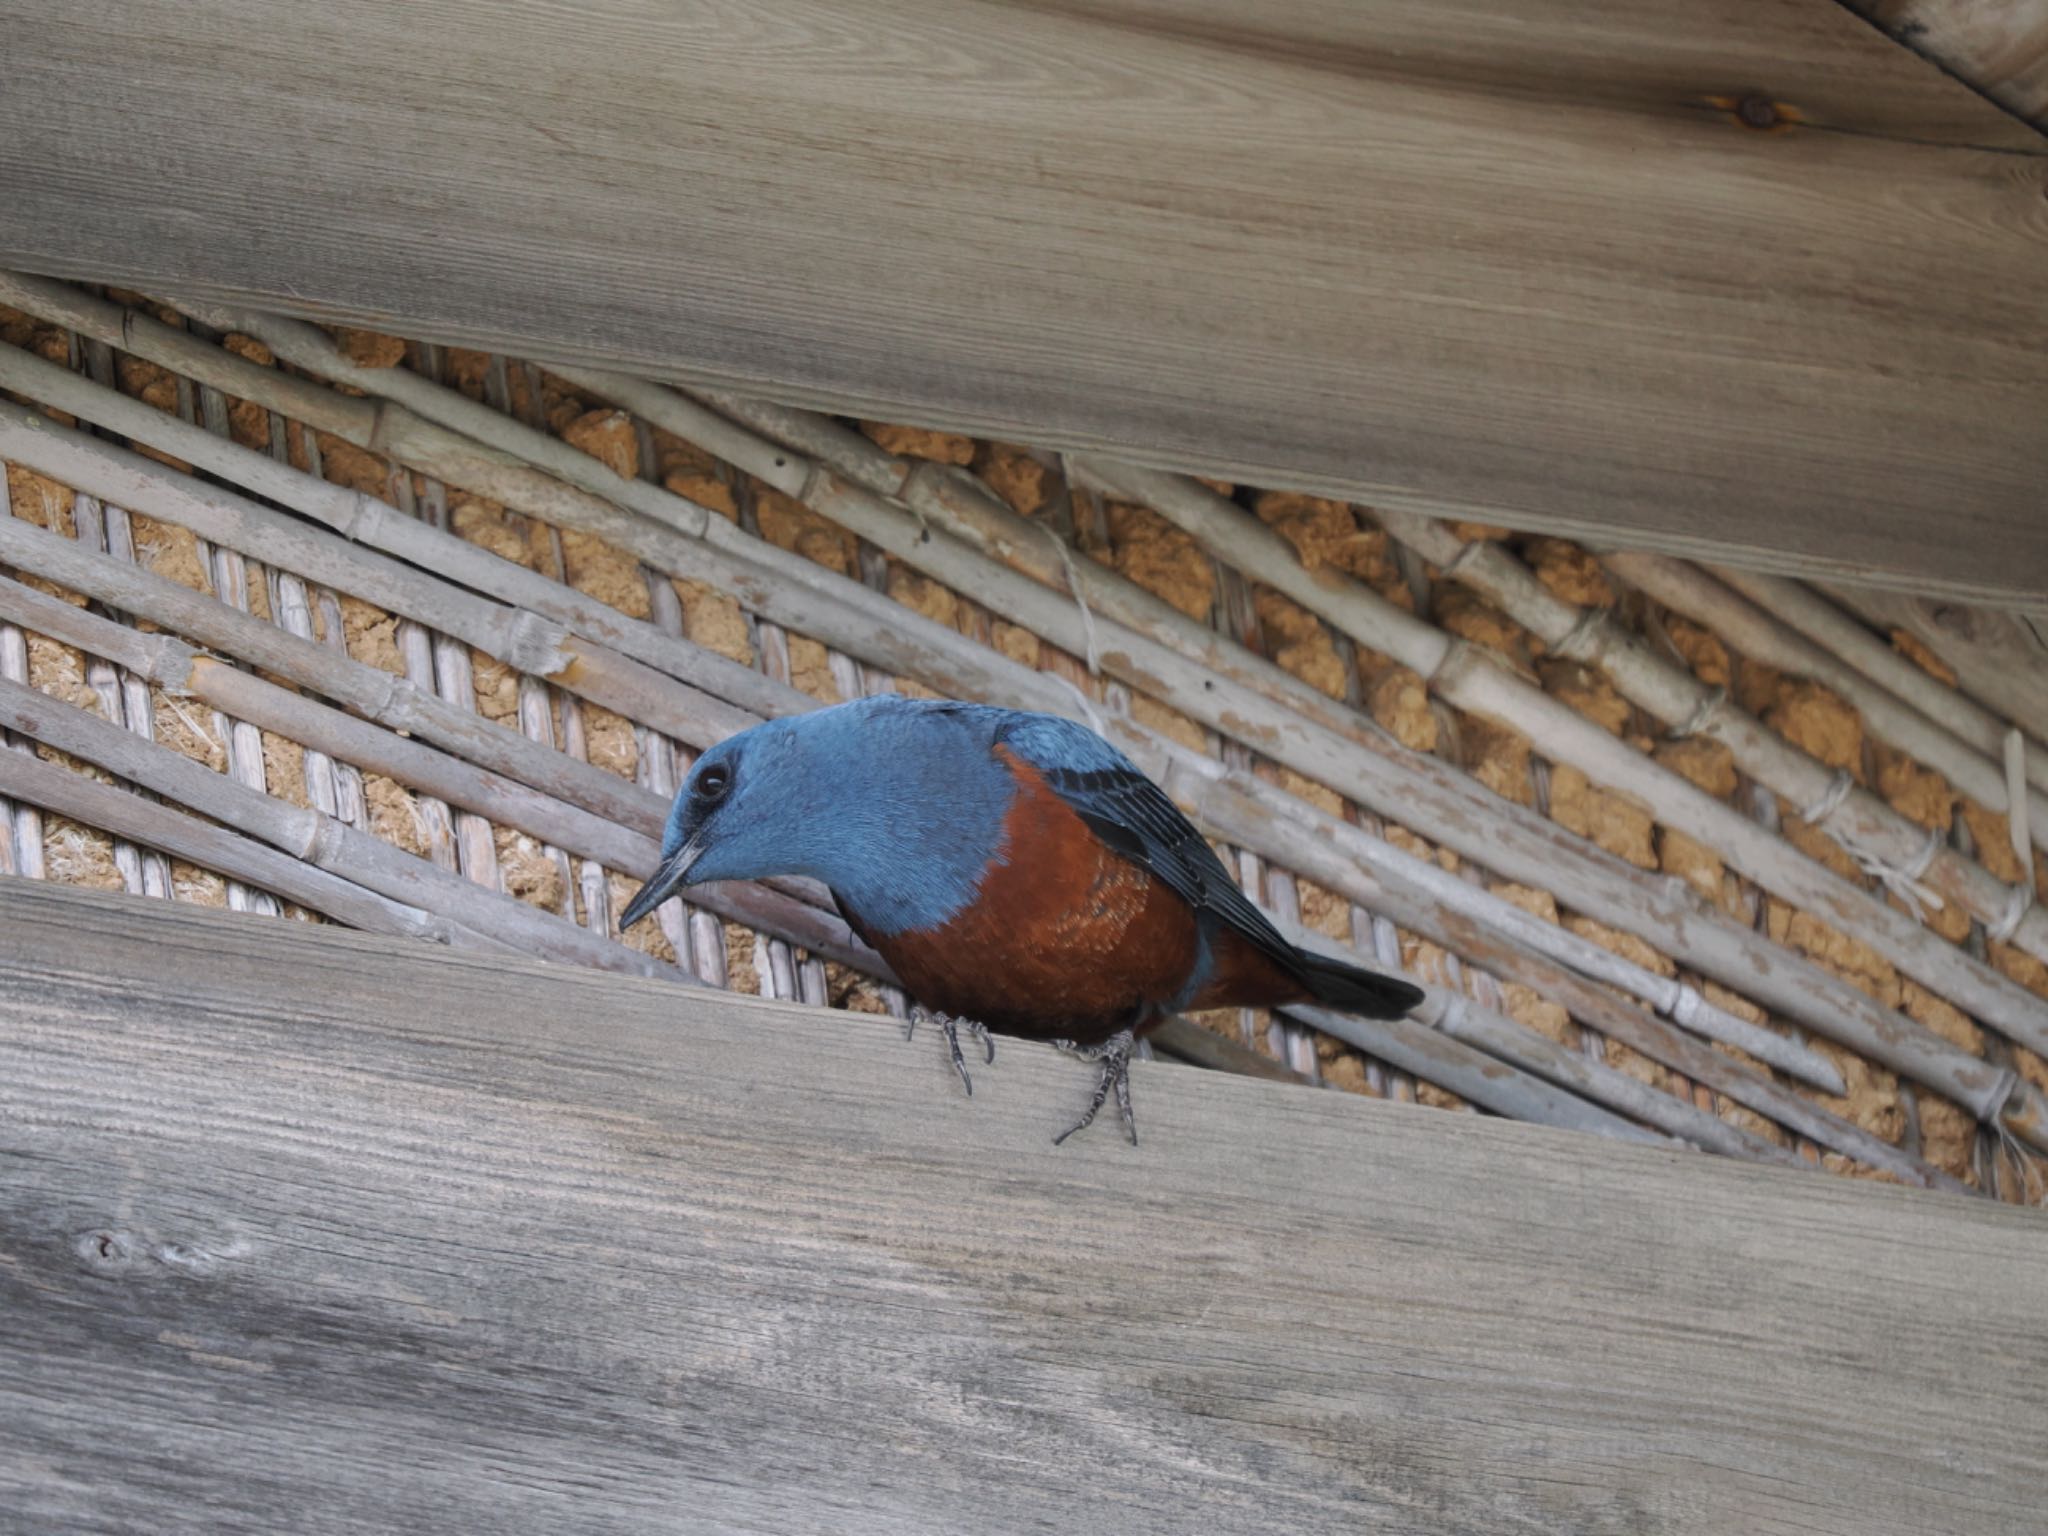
x: 714, y: 782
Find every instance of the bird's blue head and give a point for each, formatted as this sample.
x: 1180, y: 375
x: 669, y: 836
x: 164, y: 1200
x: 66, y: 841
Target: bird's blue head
x: 896, y: 804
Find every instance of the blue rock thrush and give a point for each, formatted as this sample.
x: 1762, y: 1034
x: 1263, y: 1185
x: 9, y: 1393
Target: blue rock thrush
x: 1018, y: 873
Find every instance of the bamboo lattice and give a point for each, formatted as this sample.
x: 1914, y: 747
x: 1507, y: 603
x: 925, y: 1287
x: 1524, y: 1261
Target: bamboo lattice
x: 421, y: 640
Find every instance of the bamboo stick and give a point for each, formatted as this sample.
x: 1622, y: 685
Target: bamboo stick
x: 1413, y: 789
x: 796, y: 591
x: 318, y: 840
x: 874, y: 574
x: 1461, y: 1067
x: 1828, y: 632
x: 1999, y: 658
x: 539, y: 703
x: 389, y: 429
x: 293, y: 605
x: 1371, y: 926
x: 2017, y: 827
x: 1478, y: 909
x: 156, y: 826
x: 440, y: 666
x: 1455, y: 1016
x: 1281, y: 897
x: 660, y: 770
x: 143, y: 335
x: 1053, y: 703
x: 1465, y: 676
x: 1859, y: 820
x: 21, y: 837
x: 774, y: 964
x: 1185, y: 1040
x: 359, y: 511
x: 1235, y: 804
x: 278, y: 651
x: 206, y: 408
x: 670, y: 532
x: 176, y: 667
x: 1079, y: 518
x: 173, y: 665
x: 1761, y: 624
x: 124, y: 699
x: 664, y: 763
x: 518, y: 637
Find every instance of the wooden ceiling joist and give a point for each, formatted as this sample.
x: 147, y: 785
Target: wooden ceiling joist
x: 1744, y: 281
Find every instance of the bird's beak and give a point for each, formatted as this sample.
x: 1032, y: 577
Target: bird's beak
x: 667, y: 879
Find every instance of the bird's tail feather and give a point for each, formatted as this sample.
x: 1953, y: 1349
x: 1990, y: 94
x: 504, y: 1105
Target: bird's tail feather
x: 1349, y: 989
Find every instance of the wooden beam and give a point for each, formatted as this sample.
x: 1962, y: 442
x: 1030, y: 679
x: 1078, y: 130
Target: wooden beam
x: 1732, y: 278
x: 1998, y: 46
x: 305, y: 1230
x: 1999, y: 659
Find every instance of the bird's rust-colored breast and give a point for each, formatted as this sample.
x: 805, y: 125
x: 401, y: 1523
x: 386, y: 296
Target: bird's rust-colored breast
x: 1065, y: 938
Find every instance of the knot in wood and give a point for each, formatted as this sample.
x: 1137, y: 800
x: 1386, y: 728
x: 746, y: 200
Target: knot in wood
x: 106, y: 1251
x: 537, y: 645
x: 1758, y: 112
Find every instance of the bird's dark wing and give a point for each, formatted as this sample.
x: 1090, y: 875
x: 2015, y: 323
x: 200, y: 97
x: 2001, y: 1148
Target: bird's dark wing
x: 1134, y: 816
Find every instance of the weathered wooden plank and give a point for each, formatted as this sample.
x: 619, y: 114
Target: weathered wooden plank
x: 304, y: 1230
x: 1519, y: 262
x: 2000, y: 659
x: 1998, y: 46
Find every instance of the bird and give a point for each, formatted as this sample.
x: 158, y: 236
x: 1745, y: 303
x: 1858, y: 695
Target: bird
x: 1016, y: 870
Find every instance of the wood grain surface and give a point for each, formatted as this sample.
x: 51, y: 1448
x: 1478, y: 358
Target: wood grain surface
x: 302, y: 1230
x: 1528, y: 263
x: 1998, y: 46
x: 2000, y: 659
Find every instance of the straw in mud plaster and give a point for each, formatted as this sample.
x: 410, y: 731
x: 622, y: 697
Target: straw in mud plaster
x: 1889, y: 845
x: 1466, y: 676
x: 21, y: 826
x: 812, y: 434
x: 1590, y: 894
x: 617, y: 806
x: 319, y: 840
x: 207, y: 407
x: 1589, y: 886
x: 1777, y: 622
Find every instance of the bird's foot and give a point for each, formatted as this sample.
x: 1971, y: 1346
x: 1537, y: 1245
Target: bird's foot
x: 950, y: 1027
x: 1113, y: 1075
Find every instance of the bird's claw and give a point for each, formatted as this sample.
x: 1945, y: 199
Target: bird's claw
x: 1113, y: 1075
x: 951, y: 1027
